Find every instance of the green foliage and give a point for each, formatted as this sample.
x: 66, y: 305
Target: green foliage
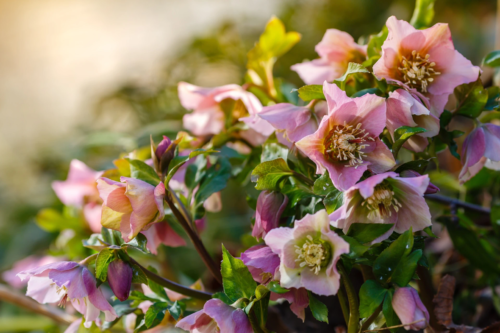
x: 471, y: 99
x: 257, y: 309
x: 237, y: 280
x: 402, y: 134
x: 374, y: 49
x: 104, y: 258
x: 405, y: 269
x: 333, y: 201
x: 310, y: 92
x: 275, y: 287
x: 423, y: 14
x: 323, y: 185
x: 214, y: 181
x: 371, y: 295
x: 318, y: 308
x: 391, y: 318
x: 367, y: 232
x: 51, y: 220
x: 492, y: 59
x: 417, y: 165
x: 352, y: 68
x: 388, y: 260
x: 142, y: 171
x: 269, y: 174
x: 155, y: 314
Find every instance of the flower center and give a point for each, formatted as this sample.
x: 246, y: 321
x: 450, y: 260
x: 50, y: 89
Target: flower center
x: 381, y: 202
x: 346, y: 143
x: 314, y: 254
x: 418, y: 72
x: 64, y: 299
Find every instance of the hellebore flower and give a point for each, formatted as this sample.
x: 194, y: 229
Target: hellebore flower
x: 68, y: 281
x: 424, y: 60
x: 162, y: 147
x: 208, y: 117
x: 385, y: 198
x: 404, y: 110
x: 409, y: 308
x: 298, y: 299
x: 162, y: 233
x: 295, y: 122
x: 131, y: 205
x: 120, y: 278
x: 346, y: 142
x: 270, y: 206
x: 216, y: 316
x: 25, y: 264
x: 309, y: 253
x: 336, y: 50
x: 480, y: 148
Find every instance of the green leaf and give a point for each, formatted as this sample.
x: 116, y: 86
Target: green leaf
x: 406, y: 269
x: 272, y: 151
x: 51, y: 220
x: 318, y: 309
x: 310, y: 92
x: 367, y: 232
x: 417, y: 165
x: 214, y: 181
x: 429, y: 232
x: 138, y: 275
x: 257, y: 309
x: 374, y: 91
x: 356, y: 249
x: 371, y: 295
x: 137, y: 295
x: 492, y: 59
x: 375, y: 42
x: 236, y: 278
x: 275, y: 287
x: 471, y: 99
x: 142, y: 171
x: 139, y: 242
x: 352, y: 68
x: 333, y: 201
x: 155, y: 314
x: 175, y: 310
x: 493, y: 98
x: 323, y: 185
x: 391, y: 318
x: 402, y: 134
x: 223, y: 297
x: 175, y: 164
x: 384, y: 265
x: 104, y: 258
x: 423, y: 14
x: 95, y: 242
x: 268, y: 174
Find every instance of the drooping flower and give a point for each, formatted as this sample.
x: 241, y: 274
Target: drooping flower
x: 385, y: 198
x: 270, y: 206
x: 309, y: 253
x: 68, y: 281
x: 424, y: 60
x: 295, y: 122
x: 120, y: 278
x: 130, y: 205
x: 336, y: 50
x: 480, y: 148
x: 216, y: 316
x: 404, y: 110
x: 208, y: 116
x: 346, y: 142
x: 25, y: 264
x: 162, y: 233
x: 410, y: 309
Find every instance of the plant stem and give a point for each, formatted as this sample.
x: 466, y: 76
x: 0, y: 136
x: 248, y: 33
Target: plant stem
x: 353, y: 324
x: 303, y: 178
x: 202, y: 251
x: 371, y: 319
x: 172, y: 285
x: 343, y: 304
x: 367, y: 272
x: 458, y: 203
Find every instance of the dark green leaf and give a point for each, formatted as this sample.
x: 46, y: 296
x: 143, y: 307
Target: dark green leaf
x: 236, y: 278
x: 175, y: 164
x: 142, y: 171
x: 104, y: 258
x: 214, y: 181
x: 445, y: 118
x: 471, y: 99
x: 417, y: 165
x: 406, y: 269
x: 423, y: 14
x: 384, y: 265
x: 139, y: 243
x: 367, y: 232
x: 492, y: 59
x: 391, y: 318
x: 275, y: 287
x: 333, y: 201
x: 175, y: 310
x: 323, y: 185
x: 402, y: 134
x: 138, y: 275
x: 257, y: 309
x: 356, y: 249
x: 493, y: 98
x: 223, y: 297
x: 137, y: 295
x: 155, y: 314
x: 310, y: 92
x: 268, y: 174
x: 318, y: 309
x: 429, y: 232
x: 374, y: 91
x: 371, y: 295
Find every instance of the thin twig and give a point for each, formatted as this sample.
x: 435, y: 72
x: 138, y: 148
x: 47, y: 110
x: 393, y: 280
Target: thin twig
x: 395, y: 326
x: 458, y: 203
x: 14, y: 297
x: 173, y: 285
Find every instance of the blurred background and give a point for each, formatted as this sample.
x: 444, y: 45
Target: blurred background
x: 92, y: 79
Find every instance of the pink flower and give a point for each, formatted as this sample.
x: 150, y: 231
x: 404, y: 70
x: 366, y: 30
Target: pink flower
x: 162, y: 147
x: 270, y: 206
x: 27, y: 263
x: 295, y: 122
x: 216, y: 316
x: 480, y: 148
x: 336, y: 50
x: 385, y: 198
x: 404, y: 110
x: 409, y: 308
x: 68, y: 281
x: 309, y: 253
x: 424, y: 60
x: 120, y: 278
x: 209, y: 118
x: 131, y: 205
x: 298, y: 299
x: 162, y: 233
x: 346, y: 142
x: 431, y: 188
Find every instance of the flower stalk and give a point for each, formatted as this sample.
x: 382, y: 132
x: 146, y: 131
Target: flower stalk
x: 353, y: 323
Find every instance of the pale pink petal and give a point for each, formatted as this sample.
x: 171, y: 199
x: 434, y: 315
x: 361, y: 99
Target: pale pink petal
x: 492, y: 139
x: 261, y: 257
x: 113, y: 195
x: 277, y: 238
x: 404, y: 305
x: 312, y: 224
x: 380, y: 159
x: 213, y: 203
x: 92, y: 213
x: 43, y: 290
x: 414, y: 212
x: 75, y: 326
x: 205, y: 121
x: 318, y: 71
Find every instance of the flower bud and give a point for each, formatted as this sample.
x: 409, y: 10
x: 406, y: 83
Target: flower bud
x: 270, y: 206
x: 162, y: 147
x: 410, y: 309
x: 431, y: 188
x: 120, y: 278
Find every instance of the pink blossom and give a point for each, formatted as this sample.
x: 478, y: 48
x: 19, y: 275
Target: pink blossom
x: 404, y: 110
x: 25, y: 264
x: 92, y: 212
x: 385, y: 198
x: 162, y: 233
x: 68, y: 281
x: 209, y: 118
x: 409, y: 308
x: 131, y: 205
x: 481, y: 148
x: 295, y: 122
x: 346, y: 142
x: 336, y: 50
x: 216, y: 316
x: 424, y: 60
x: 270, y: 206
x: 309, y: 253
x: 298, y: 299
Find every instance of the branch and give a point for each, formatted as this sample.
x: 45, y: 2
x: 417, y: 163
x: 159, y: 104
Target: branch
x: 353, y: 324
x: 174, y: 286
x: 14, y: 297
x: 458, y: 203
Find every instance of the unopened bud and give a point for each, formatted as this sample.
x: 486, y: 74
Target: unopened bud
x: 120, y: 278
